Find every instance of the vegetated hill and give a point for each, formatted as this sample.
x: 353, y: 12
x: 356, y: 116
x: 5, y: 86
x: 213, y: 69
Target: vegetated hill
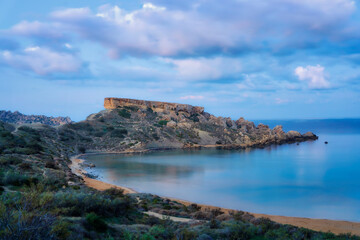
x: 141, y: 125
x: 19, y: 118
x: 40, y: 198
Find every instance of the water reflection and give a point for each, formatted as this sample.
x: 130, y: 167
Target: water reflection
x: 306, y: 180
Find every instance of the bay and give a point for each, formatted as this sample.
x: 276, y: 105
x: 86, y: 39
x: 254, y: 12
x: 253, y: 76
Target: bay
x: 311, y: 179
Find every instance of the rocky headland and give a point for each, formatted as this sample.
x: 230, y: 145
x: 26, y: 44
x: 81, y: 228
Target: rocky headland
x: 19, y: 118
x: 129, y: 124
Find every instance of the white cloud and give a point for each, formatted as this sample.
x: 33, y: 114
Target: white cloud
x: 191, y: 97
x: 313, y: 75
x: 38, y: 29
x: 206, y: 68
x: 210, y: 28
x: 42, y: 61
x: 153, y: 7
x: 72, y: 13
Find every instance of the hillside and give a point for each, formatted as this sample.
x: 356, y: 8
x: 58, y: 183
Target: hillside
x: 19, y: 118
x: 41, y: 198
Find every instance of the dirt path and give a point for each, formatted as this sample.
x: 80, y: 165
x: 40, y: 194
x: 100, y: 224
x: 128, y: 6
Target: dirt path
x: 175, y: 219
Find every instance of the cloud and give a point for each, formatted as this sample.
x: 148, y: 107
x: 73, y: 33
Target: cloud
x: 42, y: 61
x: 191, y: 97
x: 38, y: 29
x: 72, y: 14
x: 203, y: 27
x: 313, y: 75
x: 205, y: 68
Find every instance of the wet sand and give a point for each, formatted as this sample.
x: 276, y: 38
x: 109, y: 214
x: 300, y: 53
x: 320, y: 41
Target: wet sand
x: 323, y: 225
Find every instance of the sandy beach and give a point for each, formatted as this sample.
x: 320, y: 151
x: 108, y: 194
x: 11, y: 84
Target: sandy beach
x: 323, y: 225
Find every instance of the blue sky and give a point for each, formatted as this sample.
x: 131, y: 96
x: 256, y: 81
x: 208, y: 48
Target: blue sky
x: 275, y: 59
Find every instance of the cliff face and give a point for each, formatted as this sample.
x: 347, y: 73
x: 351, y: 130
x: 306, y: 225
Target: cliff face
x: 19, y: 118
x: 114, y: 103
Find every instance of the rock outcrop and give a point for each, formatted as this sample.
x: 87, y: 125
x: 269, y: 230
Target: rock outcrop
x: 113, y: 103
x: 19, y: 118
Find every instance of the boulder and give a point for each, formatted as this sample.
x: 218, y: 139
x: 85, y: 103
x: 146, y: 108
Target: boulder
x: 310, y: 135
x: 171, y: 124
x: 293, y: 134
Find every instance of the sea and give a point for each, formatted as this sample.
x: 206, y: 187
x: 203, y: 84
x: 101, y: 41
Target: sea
x: 311, y: 179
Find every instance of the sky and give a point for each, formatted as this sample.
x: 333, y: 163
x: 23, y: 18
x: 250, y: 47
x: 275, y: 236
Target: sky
x: 274, y: 59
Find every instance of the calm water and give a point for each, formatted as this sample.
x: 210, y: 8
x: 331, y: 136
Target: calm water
x: 307, y: 180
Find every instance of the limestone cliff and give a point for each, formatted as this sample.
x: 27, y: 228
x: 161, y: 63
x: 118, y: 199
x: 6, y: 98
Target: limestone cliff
x: 113, y: 103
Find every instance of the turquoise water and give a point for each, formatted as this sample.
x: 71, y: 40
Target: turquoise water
x: 311, y: 179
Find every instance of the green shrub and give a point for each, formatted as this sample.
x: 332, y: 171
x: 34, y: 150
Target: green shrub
x: 124, y: 113
x: 163, y: 122
x: 187, y: 234
x: 241, y: 230
x: 114, y: 193
x: 160, y: 232
x: 80, y: 203
x: 10, y: 160
x: 81, y: 149
x: 61, y: 230
x: 194, y: 117
x: 155, y: 136
x: 81, y: 126
x: 119, y: 133
x: 101, y: 119
x: 147, y: 236
x: 28, y: 130
x: 75, y: 187
x: 51, y: 164
x: 109, y: 128
x: 132, y: 108
x: 55, y: 181
x: 213, y: 224
x: 25, y: 151
x: 99, y: 134
x: 18, y: 179
x: 95, y: 222
x: 25, y: 166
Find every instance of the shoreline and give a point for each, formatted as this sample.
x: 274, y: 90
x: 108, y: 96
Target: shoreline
x: 323, y: 225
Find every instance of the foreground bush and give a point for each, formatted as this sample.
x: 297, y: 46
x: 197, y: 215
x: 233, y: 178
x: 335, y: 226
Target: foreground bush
x: 95, y: 222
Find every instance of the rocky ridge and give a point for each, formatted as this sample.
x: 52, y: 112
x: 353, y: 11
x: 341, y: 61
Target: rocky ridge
x: 19, y: 118
x: 136, y: 125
